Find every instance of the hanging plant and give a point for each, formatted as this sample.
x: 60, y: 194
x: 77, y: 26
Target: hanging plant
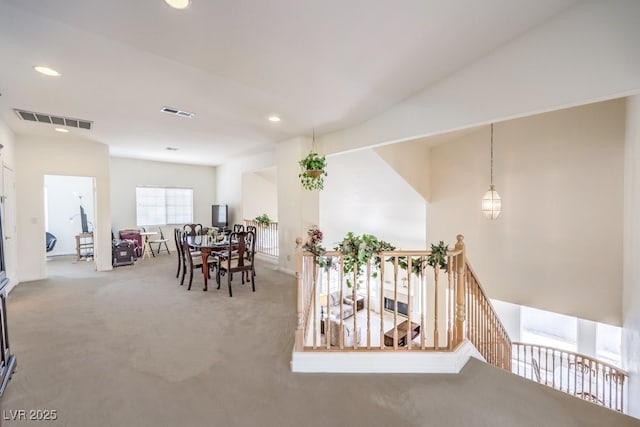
x: 313, y: 171
x: 263, y: 220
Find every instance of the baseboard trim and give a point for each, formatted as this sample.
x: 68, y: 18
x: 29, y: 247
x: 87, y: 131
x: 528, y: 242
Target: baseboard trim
x: 449, y: 362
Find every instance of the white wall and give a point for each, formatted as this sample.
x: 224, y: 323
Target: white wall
x: 297, y: 207
x: 8, y: 163
x: 364, y: 194
x: 260, y: 194
x: 586, y: 54
x: 127, y: 174
x: 229, y: 182
x: 557, y: 245
x: 631, y: 294
x: 63, y: 204
x: 58, y: 155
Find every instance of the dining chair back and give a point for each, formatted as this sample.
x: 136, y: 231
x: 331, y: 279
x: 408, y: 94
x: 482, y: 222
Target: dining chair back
x: 193, y: 229
x: 192, y: 260
x: 237, y: 228
x: 237, y: 257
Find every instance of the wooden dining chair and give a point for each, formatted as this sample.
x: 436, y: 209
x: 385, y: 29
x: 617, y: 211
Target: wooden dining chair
x: 193, y: 229
x: 192, y: 260
x: 235, y: 259
x: 237, y: 228
x: 177, y: 237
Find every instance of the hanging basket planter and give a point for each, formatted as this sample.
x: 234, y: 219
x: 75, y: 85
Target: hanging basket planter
x: 313, y: 171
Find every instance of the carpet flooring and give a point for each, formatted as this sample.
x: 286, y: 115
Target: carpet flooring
x: 131, y: 347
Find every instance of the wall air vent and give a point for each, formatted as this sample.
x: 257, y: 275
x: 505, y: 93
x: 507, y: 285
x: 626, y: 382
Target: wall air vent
x: 177, y: 112
x: 53, y: 120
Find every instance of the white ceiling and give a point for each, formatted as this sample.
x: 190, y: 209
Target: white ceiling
x: 326, y: 65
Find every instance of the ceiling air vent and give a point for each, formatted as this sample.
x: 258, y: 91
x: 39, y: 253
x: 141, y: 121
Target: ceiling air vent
x: 177, y: 112
x: 53, y: 120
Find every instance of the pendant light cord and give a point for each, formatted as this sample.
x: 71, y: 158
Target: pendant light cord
x: 492, y: 154
x: 313, y: 140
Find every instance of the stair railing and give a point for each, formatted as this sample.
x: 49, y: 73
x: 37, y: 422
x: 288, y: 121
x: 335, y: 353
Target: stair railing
x: 573, y: 373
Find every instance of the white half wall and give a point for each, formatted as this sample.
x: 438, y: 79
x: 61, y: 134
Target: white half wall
x: 557, y: 245
x: 58, y: 155
x: 127, y: 174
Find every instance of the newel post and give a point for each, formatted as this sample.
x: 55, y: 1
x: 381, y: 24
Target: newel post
x: 460, y: 321
x: 299, y: 336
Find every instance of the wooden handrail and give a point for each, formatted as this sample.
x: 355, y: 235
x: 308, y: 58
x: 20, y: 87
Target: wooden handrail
x: 583, y: 376
x: 397, y: 307
x: 484, y: 328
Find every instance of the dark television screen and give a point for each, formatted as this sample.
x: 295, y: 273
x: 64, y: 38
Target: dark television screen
x: 219, y: 216
x: 83, y: 220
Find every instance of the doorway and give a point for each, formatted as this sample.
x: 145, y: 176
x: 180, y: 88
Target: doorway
x: 69, y: 217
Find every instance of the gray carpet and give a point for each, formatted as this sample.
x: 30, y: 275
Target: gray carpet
x: 132, y: 348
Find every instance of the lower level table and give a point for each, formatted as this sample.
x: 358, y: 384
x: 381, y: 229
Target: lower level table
x: 403, y: 331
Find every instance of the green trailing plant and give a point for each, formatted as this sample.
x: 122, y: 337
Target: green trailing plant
x: 263, y: 220
x: 357, y: 251
x: 438, y: 256
x: 436, y: 259
x: 418, y: 264
x: 313, y: 171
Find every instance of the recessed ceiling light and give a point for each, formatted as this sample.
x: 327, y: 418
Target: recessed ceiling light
x: 178, y: 4
x: 172, y: 149
x: 46, y: 71
x: 274, y: 119
x: 63, y: 130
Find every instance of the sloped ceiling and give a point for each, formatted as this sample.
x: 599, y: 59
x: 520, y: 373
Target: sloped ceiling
x: 318, y: 65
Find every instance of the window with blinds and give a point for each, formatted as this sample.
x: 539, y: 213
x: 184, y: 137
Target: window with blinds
x: 160, y: 206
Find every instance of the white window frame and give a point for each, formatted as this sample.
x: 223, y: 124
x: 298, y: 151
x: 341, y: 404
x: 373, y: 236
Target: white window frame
x: 163, y: 205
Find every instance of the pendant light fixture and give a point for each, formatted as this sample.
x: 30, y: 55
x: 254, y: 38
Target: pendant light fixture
x: 491, y: 203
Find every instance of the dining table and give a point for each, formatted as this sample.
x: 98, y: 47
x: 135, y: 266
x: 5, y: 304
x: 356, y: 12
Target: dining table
x: 207, y: 245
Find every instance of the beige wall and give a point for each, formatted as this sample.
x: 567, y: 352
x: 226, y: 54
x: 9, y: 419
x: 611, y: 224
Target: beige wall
x: 410, y: 160
x: 631, y: 294
x: 127, y: 174
x: 39, y: 156
x: 558, y: 243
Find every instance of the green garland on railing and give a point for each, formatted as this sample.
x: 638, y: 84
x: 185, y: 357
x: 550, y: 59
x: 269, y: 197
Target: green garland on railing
x: 438, y: 256
x: 358, y: 250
